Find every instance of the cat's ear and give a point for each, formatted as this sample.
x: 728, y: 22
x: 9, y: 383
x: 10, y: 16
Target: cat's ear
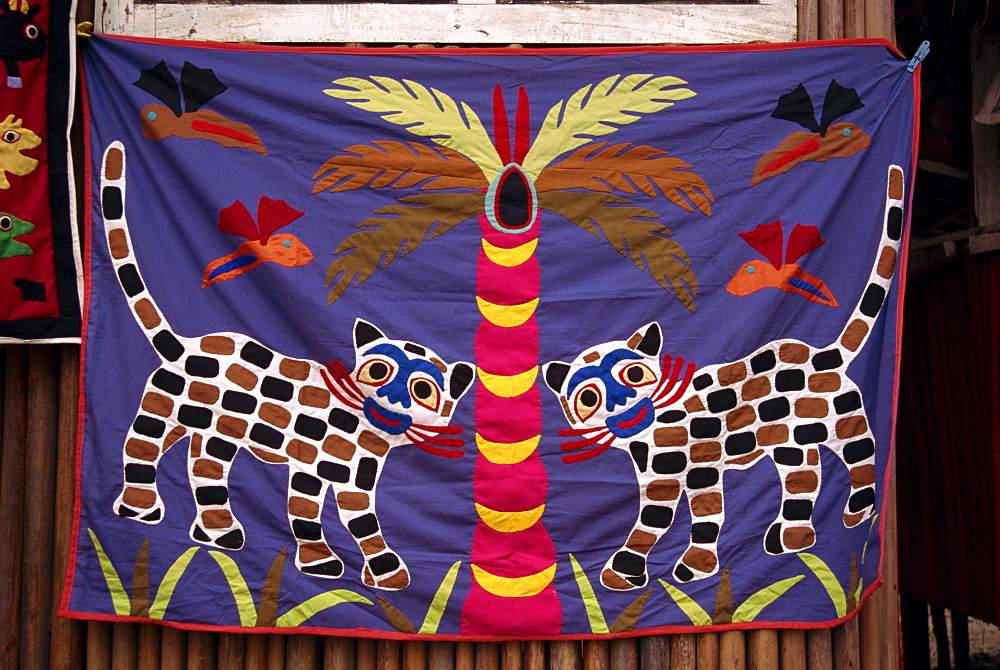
x: 555, y: 375
x: 461, y: 378
x: 647, y: 340
x: 365, y: 333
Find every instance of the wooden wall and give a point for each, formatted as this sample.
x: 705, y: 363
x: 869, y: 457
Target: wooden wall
x: 39, y: 397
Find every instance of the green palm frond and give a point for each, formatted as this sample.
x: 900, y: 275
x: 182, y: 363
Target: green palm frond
x: 425, y: 112
x: 752, y: 606
x: 600, y: 109
x: 829, y: 580
x: 119, y: 597
x: 166, y: 589
x: 440, y: 601
x: 695, y: 612
x: 241, y: 592
x: 396, y: 232
x: 598, y: 624
x: 301, y: 613
x: 633, y: 232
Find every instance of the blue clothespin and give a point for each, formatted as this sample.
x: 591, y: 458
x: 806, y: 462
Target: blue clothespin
x: 922, y: 51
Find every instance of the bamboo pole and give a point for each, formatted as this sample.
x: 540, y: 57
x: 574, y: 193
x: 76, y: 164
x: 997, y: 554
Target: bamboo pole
x: 173, y: 648
x: 256, y: 652
x: 149, y: 656
x: 12, y: 502
x: 595, y: 655
x: 793, y: 650
x: 232, y: 651
x: 846, y: 652
x: 654, y: 652
x: 39, y: 491
x: 201, y: 650
x: 276, y: 651
x: 819, y: 649
x: 534, y: 655
x: 808, y: 20
x: 707, y: 645
x: 762, y: 649
x: 301, y: 652
x: 854, y: 18
x: 511, y: 655
x: 683, y: 652
x: 414, y: 655
x: 564, y: 655
x: 68, y: 635
x: 465, y: 656
x: 389, y: 655
x: 623, y: 653
x: 338, y: 653
x: 124, y: 646
x: 98, y: 645
x: 487, y: 656
x: 366, y: 654
x: 441, y: 655
x: 831, y: 19
x: 733, y: 650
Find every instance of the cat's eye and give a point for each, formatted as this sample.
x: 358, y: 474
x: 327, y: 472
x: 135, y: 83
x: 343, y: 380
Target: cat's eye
x: 375, y: 372
x: 426, y: 393
x: 11, y: 136
x: 636, y: 374
x: 588, y: 400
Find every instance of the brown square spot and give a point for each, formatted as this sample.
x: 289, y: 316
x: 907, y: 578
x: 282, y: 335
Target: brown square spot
x: 203, y: 393
x: 854, y: 335
x: 798, y: 538
x: 314, y: 396
x: 268, y: 456
x: 242, y: 377
x: 118, y: 243
x: 741, y: 417
x: 338, y: 447
x: 207, y: 469
x: 694, y: 404
x: 674, y: 436
x: 217, y: 518
x: 706, y: 452
x: 158, y: 404
x: 294, y: 369
x: 824, y: 382
x: 141, y: 498
x: 758, y: 387
x: 793, y: 352
x: 141, y: 450
x: 812, y: 457
x: 591, y: 357
x: 863, y: 475
x: 231, y: 426
x: 276, y: 415
x: 301, y: 451
x: 804, y: 481
x: 886, y: 263
x: 663, y: 489
x: 732, y: 373
x: 314, y: 551
x: 353, y: 502
x: 372, y: 545
x: 700, y: 559
x: 147, y: 314
x: 851, y: 426
x: 218, y: 344
x: 768, y: 436
x: 811, y: 408
x: 371, y: 442
x: 641, y: 541
x: 706, y: 504
x: 303, y: 508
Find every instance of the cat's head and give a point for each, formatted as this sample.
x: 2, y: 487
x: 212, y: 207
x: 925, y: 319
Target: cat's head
x: 407, y: 389
x: 610, y: 385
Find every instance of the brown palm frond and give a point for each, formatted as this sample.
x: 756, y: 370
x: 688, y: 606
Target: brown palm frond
x: 398, y: 165
x: 398, y: 230
x: 629, y: 169
x: 632, y: 232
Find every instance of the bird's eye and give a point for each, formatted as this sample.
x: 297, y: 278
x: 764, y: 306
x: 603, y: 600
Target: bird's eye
x: 751, y: 269
x: 425, y: 393
x: 6, y: 223
x: 11, y: 136
x: 31, y: 31
x: 588, y: 400
x: 636, y: 374
x: 375, y: 372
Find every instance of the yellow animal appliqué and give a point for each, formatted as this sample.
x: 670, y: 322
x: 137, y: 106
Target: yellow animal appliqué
x: 14, y: 139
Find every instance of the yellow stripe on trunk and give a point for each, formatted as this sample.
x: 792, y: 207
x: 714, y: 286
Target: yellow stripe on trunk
x: 510, y: 258
x: 509, y: 522
x: 508, y: 386
x: 507, y: 316
x: 514, y: 587
x: 506, y: 453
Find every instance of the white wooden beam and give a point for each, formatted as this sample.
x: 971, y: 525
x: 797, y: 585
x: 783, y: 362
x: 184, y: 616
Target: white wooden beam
x: 378, y: 23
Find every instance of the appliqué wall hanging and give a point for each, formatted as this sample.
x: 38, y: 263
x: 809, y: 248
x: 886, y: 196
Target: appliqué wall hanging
x: 39, y: 288
x: 491, y: 343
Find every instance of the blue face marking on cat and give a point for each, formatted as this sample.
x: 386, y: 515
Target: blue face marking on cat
x: 391, y: 422
x: 632, y: 421
x: 397, y: 390
x: 617, y: 393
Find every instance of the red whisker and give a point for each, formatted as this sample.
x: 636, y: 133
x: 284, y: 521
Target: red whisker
x: 585, y: 455
x: 688, y: 376
x: 430, y: 448
x: 667, y: 381
x: 345, y: 400
x: 447, y: 430
x: 341, y: 373
x: 436, y: 439
x: 580, y: 444
x: 573, y: 432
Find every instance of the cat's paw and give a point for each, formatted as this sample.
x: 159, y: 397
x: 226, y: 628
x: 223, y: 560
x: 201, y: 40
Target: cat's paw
x: 784, y: 540
x: 231, y: 538
x: 386, y: 571
x: 696, y: 563
x: 141, y: 504
x: 625, y: 570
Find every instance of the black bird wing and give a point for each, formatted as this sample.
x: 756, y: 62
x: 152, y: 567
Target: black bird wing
x: 797, y: 106
x: 158, y: 82
x: 838, y: 101
x: 199, y: 86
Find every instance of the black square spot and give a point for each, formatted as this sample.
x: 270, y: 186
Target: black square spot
x: 367, y: 473
x: 111, y: 202
x: 773, y: 409
x: 670, y: 463
x: 812, y: 433
x: 344, y: 421
x: 797, y: 510
x: 128, y: 275
x: 148, y: 426
x: 790, y: 380
x: 860, y: 500
x: 363, y: 526
x: 334, y: 472
x: 704, y: 532
x: 242, y: 403
x: 655, y: 516
x: 168, y: 381
x: 414, y: 349
x: 306, y: 484
x: 702, y: 381
x: 721, y: 401
x: 872, y: 301
x: 220, y: 449
x: 894, y: 223
x: 672, y: 416
x: 859, y: 450
x: 306, y: 530
x: 848, y: 402
x: 167, y: 345
x: 311, y: 427
x: 788, y: 456
x: 267, y: 436
x: 827, y: 360
x: 705, y: 427
x: 279, y: 389
x: 640, y: 454
x: 211, y: 495
x: 762, y: 362
x: 700, y: 478
x: 140, y: 473
x: 740, y: 443
x: 195, y: 417
x: 628, y: 563
x: 383, y: 564
x: 256, y: 354
x: 201, y: 366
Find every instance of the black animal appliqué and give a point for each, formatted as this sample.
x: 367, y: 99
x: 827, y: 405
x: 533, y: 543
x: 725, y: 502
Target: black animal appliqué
x: 21, y: 39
